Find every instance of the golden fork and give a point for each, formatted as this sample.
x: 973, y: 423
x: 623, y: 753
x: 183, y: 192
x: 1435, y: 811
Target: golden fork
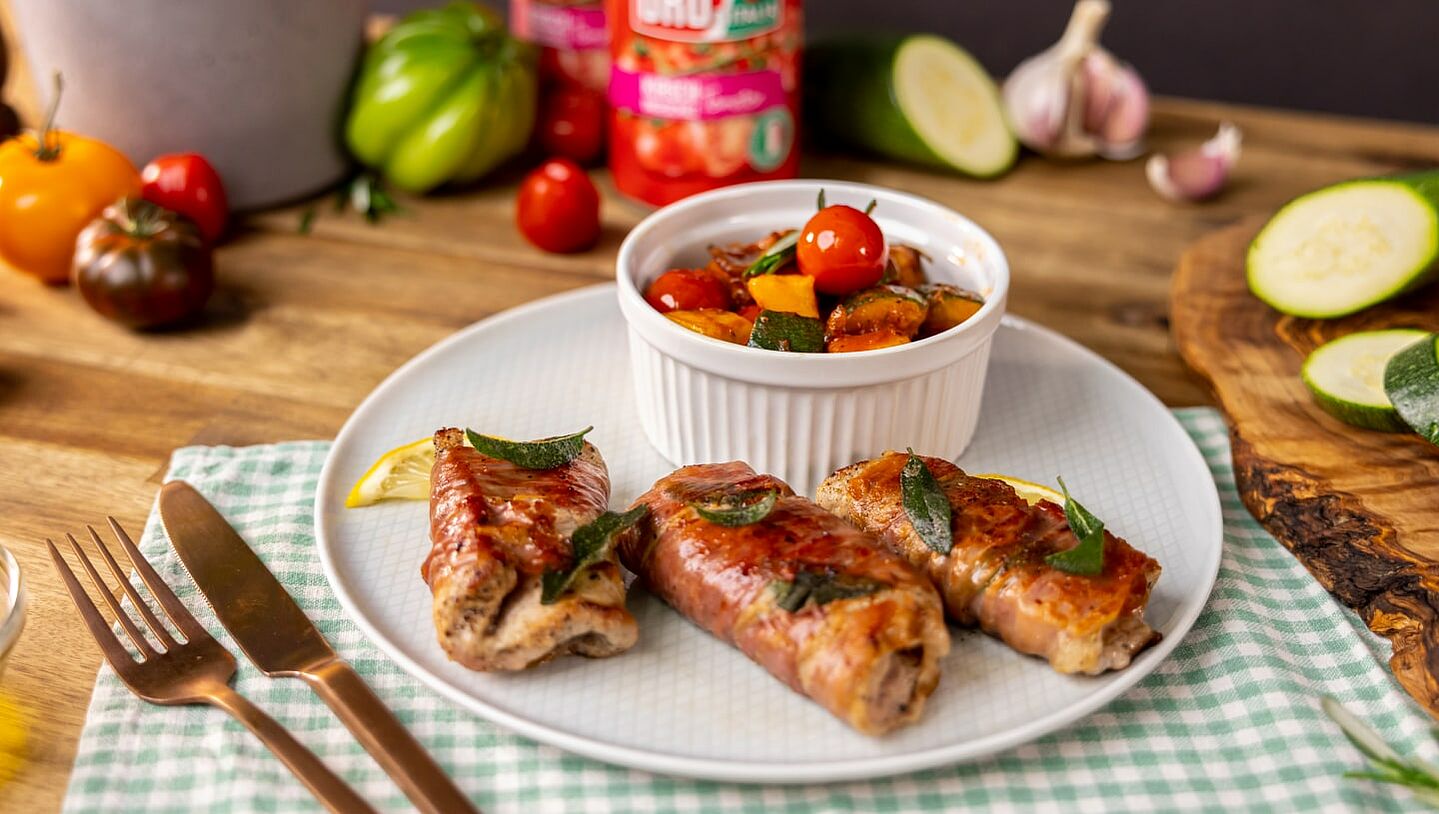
x: 194, y: 669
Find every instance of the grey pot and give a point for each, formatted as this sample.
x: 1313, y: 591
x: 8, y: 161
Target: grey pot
x: 256, y: 86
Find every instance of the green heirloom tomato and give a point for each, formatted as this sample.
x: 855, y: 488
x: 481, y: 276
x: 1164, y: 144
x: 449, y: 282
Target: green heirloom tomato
x: 446, y: 95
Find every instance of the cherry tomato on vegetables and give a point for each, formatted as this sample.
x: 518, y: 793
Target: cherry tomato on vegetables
x: 143, y: 266
x: 186, y: 183
x: 52, y: 184
x: 558, y: 207
x: 843, y: 249
x: 688, y: 290
x: 572, y: 123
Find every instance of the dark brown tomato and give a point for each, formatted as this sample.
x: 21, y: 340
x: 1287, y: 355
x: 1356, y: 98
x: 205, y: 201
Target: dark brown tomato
x: 142, y: 265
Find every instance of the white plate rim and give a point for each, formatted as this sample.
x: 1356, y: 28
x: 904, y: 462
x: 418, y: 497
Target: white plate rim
x: 765, y: 772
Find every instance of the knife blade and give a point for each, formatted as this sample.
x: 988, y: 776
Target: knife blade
x: 280, y: 639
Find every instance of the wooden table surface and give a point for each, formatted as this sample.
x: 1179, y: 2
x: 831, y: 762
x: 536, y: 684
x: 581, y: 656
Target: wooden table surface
x: 303, y: 327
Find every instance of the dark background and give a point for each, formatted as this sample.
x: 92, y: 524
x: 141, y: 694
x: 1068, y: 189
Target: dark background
x: 1360, y: 57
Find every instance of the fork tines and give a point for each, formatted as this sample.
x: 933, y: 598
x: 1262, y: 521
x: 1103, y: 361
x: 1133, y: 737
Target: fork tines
x: 184, y: 622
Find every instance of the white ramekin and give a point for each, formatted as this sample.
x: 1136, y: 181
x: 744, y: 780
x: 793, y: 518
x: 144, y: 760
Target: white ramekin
x: 800, y: 416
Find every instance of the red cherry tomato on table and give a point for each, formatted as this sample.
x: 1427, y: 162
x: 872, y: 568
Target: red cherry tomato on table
x: 688, y: 290
x: 843, y: 249
x: 572, y: 123
x: 558, y: 208
x: 186, y: 183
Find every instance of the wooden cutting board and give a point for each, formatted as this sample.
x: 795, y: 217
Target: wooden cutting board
x: 1359, y: 508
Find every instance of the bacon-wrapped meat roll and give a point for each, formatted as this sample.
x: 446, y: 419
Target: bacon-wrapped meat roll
x: 823, y: 607
x: 995, y: 577
x: 495, y: 530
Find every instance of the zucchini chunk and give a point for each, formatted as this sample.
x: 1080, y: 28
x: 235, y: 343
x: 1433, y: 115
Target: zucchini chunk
x: 949, y: 305
x: 905, y: 267
x: 891, y: 308
x: 778, y: 330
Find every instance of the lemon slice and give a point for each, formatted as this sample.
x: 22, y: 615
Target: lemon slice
x: 403, y: 473
x: 1030, y: 491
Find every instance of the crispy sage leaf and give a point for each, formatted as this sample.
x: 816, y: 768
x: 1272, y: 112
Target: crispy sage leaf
x: 821, y: 588
x: 779, y: 253
x: 739, y: 509
x: 591, y: 543
x: 542, y: 453
x: 1087, y: 558
x: 926, y: 504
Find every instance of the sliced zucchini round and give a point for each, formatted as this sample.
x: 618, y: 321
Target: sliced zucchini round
x: 1411, y: 381
x: 1346, y: 247
x: 917, y: 98
x: 953, y: 105
x: 1347, y: 377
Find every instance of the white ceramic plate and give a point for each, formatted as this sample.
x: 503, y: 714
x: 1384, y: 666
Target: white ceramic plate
x: 682, y: 702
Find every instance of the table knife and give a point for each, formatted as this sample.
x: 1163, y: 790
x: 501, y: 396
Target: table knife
x: 277, y: 636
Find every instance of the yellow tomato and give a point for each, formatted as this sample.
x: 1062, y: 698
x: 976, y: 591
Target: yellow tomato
x: 48, y: 195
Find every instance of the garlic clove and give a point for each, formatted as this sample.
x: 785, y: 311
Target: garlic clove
x: 1116, y: 107
x: 1074, y: 99
x: 1043, y: 95
x: 1197, y: 174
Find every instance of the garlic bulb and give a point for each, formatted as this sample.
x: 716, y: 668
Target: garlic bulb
x: 1197, y: 174
x: 1075, y: 99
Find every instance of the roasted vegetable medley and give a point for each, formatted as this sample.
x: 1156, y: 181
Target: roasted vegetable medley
x: 834, y: 286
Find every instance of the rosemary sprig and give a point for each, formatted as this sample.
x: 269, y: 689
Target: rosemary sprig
x: 1386, y: 765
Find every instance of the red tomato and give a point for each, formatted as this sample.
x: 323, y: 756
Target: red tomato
x: 843, y: 249
x: 688, y: 290
x: 558, y: 208
x: 572, y: 123
x: 186, y: 183
x: 750, y: 312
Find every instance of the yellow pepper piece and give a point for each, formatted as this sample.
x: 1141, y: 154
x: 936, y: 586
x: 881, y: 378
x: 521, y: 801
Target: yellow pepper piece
x: 791, y: 293
x: 725, y: 326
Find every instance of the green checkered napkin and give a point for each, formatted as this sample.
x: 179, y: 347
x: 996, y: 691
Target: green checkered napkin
x: 1230, y: 722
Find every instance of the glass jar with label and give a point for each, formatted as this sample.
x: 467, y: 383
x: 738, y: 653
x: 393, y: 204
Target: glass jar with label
x: 703, y: 94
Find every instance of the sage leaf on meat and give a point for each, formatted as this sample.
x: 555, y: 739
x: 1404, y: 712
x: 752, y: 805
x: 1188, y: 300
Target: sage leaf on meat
x: 1086, y: 558
x: 926, y: 504
x: 779, y: 253
x: 590, y: 544
x: 821, y: 588
x: 542, y: 453
x: 738, y: 509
